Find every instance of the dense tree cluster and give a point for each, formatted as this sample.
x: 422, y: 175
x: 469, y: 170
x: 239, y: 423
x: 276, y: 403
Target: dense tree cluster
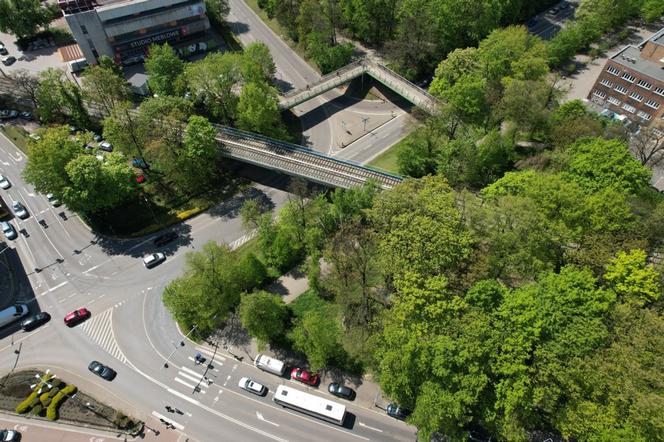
x: 24, y: 18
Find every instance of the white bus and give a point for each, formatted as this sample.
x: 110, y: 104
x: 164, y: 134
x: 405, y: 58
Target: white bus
x: 310, y: 404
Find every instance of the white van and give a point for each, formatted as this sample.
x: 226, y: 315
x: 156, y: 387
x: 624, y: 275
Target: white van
x: 266, y: 363
x: 13, y: 314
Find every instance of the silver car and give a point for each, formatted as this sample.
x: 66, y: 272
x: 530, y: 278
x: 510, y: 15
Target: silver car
x: 4, y: 182
x: 153, y: 260
x: 19, y: 210
x: 8, y: 230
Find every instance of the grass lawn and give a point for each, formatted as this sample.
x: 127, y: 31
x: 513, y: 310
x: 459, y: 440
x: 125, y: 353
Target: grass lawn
x: 17, y: 135
x: 388, y: 160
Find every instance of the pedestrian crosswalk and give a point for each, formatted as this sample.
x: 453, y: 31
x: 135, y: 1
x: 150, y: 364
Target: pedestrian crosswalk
x: 193, y: 380
x: 100, y: 330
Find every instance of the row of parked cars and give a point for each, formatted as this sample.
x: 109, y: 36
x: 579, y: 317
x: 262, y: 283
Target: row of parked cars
x: 277, y: 367
x: 7, y: 114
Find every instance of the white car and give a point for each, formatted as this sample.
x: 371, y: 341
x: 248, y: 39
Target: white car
x: 252, y: 386
x: 153, y: 260
x: 8, y: 230
x: 19, y: 210
x: 52, y: 199
x: 4, y: 182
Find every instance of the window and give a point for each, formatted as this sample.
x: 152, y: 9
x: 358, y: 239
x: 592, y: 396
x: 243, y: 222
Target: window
x: 600, y: 94
x: 659, y: 91
x: 621, y: 89
x: 657, y: 132
x: 644, y: 115
x: 629, y: 77
x: 629, y: 108
x: 606, y: 82
x: 644, y: 84
x: 84, y: 29
x: 652, y: 103
x: 614, y: 100
x: 636, y: 96
x: 612, y: 70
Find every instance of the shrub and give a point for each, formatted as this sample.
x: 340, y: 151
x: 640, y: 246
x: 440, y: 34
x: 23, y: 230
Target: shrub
x: 45, y: 399
x: 37, y: 410
x: 52, y: 410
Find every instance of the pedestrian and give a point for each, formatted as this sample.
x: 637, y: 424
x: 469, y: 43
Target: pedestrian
x: 169, y: 408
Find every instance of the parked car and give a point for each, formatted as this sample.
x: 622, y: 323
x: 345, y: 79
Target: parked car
x: 8, y: 230
x: 4, y: 182
x: 19, y: 210
x: 9, y: 436
x: 26, y: 115
x: 553, y: 11
x: 97, y: 137
x: 8, y: 60
x: 35, y: 321
x: 102, y: 370
x: 304, y: 376
x: 53, y: 199
x: 341, y: 390
x: 77, y: 316
x: 252, y: 386
x: 141, y: 179
x: 165, y: 238
x: 396, y: 411
x: 106, y: 146
x: 153, y: 259
x: 3, y: 49
x: 35, y: 136
x: 138, y: 162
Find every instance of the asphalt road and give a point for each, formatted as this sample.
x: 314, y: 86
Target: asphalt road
x: 548, y: 23
x: 132, y: 332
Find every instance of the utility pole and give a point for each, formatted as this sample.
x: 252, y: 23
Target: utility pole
x: 364, y: 120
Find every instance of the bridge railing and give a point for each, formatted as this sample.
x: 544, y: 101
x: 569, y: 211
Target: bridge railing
x: 298, y: 148
x: 391, y: 73
x: 326, y: 77
x: 320, y: 87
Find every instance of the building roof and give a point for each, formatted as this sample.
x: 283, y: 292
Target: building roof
x: 630, y: 57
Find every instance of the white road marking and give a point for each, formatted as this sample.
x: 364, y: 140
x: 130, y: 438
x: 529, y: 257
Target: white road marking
x: 260, y: 417
x: 191, y: 378
x: 189, y: 370
x: 362, y: 424
x: 210, y: 353
x: 25, y: 337
x: 189, y: 385
x: 168, y: 419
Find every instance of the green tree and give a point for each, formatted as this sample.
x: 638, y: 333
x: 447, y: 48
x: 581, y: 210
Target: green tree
x: 597, y: 164
x: 632, y: 278
x: 213, y: 80
x: 419, y: 229
x: 197, y: 160
x: 317, y: 335
x: 217, y: 10
x: 209, y: 289
x: 258, y: 110
x: 105, y: 86
x: 164, y: 69
x: 24, y: 18
x: 545, y: 328
x: 49, y: 97
x: 259, y: 65
x: 264, y: 315
x: 46, y: 166
x: 528, y: 103
x: 95, y: 184
x: 419, y: 153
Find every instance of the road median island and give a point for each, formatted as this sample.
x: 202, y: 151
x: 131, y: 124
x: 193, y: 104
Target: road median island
x: 37, y: 395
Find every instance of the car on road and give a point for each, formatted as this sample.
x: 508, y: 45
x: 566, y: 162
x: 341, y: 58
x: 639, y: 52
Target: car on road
x: 77, y: 316
x: 397, y: 412
x: 153, y: 259
x: 8, y: 230
x: 106, y: 146
x: 4, y: 182
x: 102, y: 370
x: 252, y: 386
x: 8, y: 60
x: 9, y: 436
x: 3, y: 49
x: 341, y: 391
x: 53, y: 199
x: 304, y: 376
x: 19, y: 210
x: 34, y: 321
x: 164, y: 239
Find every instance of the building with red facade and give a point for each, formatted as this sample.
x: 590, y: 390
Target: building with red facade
x: 632, y: 82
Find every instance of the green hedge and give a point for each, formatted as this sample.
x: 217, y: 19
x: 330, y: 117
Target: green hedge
x: 28, y: 403
x: 52, y: 410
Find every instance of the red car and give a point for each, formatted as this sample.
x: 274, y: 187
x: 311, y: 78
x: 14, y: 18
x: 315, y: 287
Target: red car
x: 299, y: 374
x: 77, y: 316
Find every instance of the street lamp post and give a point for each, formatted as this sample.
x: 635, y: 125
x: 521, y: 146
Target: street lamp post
x: 181, y: 345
